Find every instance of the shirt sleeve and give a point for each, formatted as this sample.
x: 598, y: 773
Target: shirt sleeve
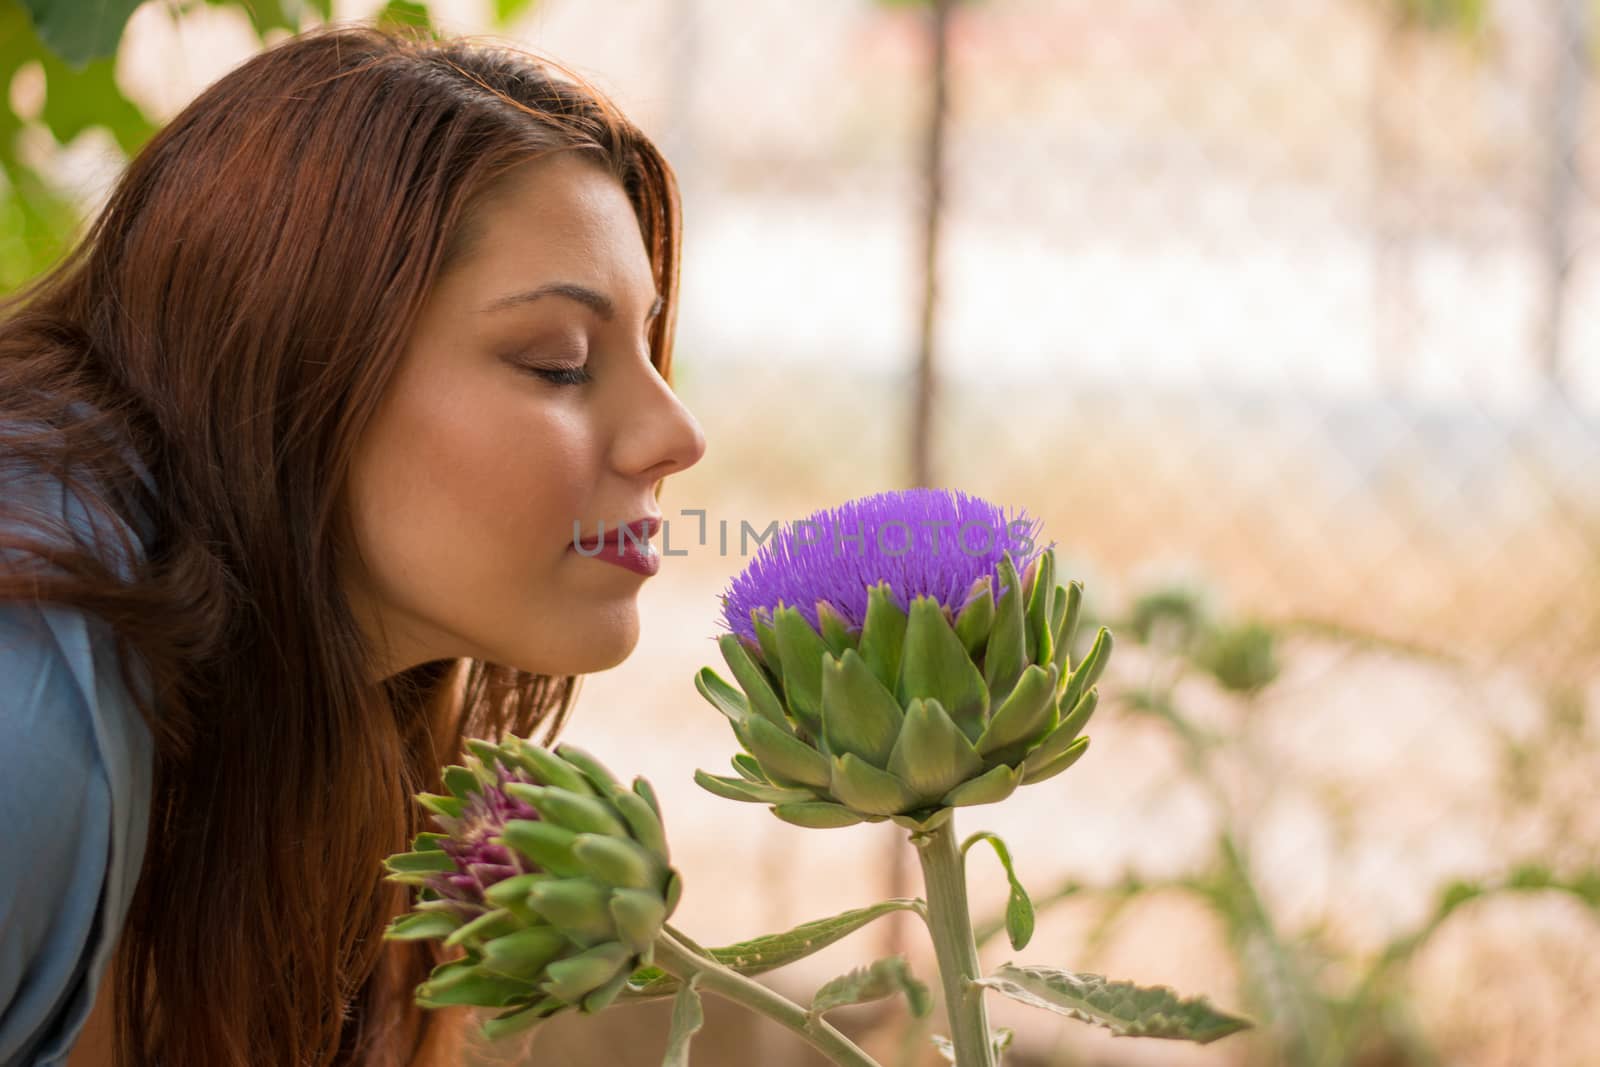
x: 56, y: 837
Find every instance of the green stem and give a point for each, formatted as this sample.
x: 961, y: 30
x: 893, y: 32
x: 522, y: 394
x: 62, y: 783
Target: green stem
x: 950, y: 923
x: 677, y: 959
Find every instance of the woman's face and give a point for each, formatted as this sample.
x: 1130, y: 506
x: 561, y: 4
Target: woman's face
x: 467, y: 484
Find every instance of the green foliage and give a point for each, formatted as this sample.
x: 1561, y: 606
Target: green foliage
x: 1127, y: 1010
x: 881, y: 978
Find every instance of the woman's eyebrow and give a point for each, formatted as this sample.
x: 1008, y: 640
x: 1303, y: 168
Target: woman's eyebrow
x: 596, y: 301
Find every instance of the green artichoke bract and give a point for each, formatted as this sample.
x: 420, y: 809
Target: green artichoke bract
x: 551, y: 875
x: 896, y: 685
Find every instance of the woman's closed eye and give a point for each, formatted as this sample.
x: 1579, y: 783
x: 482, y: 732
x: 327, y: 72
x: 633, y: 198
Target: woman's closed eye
x: 570, y: 375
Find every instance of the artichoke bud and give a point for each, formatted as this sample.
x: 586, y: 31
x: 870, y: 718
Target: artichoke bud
x: 894, y: 699
x: 549, y: 873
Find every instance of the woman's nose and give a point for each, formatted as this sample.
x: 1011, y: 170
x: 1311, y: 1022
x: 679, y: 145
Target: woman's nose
x: 659, y: 435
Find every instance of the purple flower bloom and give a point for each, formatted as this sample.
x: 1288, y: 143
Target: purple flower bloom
x: 480, y: 862
x: 923, y: 542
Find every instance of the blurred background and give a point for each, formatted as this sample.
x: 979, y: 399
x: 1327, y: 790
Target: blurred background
x: 1281, y: 317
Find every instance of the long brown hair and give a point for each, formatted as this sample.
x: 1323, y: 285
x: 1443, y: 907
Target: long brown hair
x: 232, y: 315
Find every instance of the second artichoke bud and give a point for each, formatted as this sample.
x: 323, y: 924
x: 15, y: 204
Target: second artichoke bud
x: 552, y: 876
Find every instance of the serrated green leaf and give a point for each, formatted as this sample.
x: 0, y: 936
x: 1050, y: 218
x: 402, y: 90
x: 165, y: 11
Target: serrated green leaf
x: 763, y: 954
x: 687, y: 1018
x: 1019, y: 909
x: 879, y: 979
x: 1124, y: 1008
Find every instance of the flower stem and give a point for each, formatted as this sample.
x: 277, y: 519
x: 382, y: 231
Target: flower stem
x: 672, y: 956
x: 950, y: 924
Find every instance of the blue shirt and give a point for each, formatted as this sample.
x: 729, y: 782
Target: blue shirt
x: 75, y: 783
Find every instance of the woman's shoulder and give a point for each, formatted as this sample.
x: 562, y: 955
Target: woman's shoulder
x: 75, y: 781
x: 76, y: 771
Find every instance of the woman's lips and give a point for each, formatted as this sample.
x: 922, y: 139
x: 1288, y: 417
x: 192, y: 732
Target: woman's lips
x: 626, y: 546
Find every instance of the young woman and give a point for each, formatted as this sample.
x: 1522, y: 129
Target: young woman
x: 294, y: 450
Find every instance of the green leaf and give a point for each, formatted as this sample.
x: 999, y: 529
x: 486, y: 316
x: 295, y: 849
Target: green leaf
x: 1025, y: 715
x: 786, y: 759
x: 79, y: 32
x: 1070, y: 726
x: 461, y: 782
x: 990, y: 787
x: 753, y: 680
x: 550, y: 769
x: 687, y: 1018
x: 817, y: 815
x: 617, y: 861
x: 976, y: 616
x: 520, y: 1019
x: 638, y: 915
x: 1089, y: 671
x: 859, y: 714
x: 418, y: 927
x: 546, y: 844
x: 865, y: 788
x: 724, y: 697
x: 883, y: 634
x: 598, y: 774
x: 1019, y: 909
x: 834, y: 627
x: 524, y: 953
x: 419, y: 862
x: 581, y: 814
x: 748, y: 768
x: 801, y: 652
x: 882, y: 978
x: 932, y: 755
x: 1124, y: 1008
x: 573, y: 978
x: 744, y: 789
x: 490, y: 924
x: 1041, y: 607
x: 771, y: 951
x: 441, y: 804
x: 643, y: 820
x: 578, y: 906
x: 936, y: 666
x: 1043, y: 771
x: 767, y: 643
x: 1066, y: 628
x: 476, y: 989
x: 1006, y: 653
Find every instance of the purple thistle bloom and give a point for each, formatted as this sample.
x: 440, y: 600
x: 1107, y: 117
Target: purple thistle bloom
x: 480, y: 862
x: 923, y: 542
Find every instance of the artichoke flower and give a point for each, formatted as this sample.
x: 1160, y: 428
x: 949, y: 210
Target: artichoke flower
x: 886, y: 672
x: 550, y: 874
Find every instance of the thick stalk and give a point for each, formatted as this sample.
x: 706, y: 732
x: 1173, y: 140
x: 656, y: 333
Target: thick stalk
x: 680, y: 961
x: 950, y: 924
